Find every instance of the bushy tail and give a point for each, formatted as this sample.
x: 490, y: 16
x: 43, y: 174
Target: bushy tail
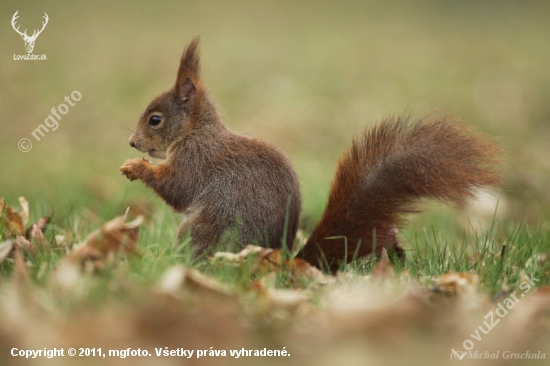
x: 387, y: 172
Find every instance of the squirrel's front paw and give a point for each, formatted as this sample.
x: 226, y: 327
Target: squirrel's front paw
x: 134, y: 168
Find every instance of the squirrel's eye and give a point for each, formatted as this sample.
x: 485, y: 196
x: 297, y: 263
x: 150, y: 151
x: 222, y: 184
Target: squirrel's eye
x: 155, y: 120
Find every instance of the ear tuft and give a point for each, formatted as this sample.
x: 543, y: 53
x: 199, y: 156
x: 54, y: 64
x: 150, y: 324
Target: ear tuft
x: 188, y: 80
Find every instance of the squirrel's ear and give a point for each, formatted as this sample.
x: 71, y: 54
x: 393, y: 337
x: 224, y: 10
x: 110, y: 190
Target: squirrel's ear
x: 186, y: 90
x: 188, y: 82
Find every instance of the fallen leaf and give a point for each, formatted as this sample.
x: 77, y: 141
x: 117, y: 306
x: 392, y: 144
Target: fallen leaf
x: 20, y: 272
x: 267, y: 260
x: 179, y: 277
x: 383, y: 270
x: 115, y: 236
x: 461, y: 284
x: 11, y: 219
x: 297, y: 266
x: 39, y: 225
x: 21, y: 243
x: 543, y: 291
x: 24, y: 214
x: 272, y: 305
x: 5, y: 249
x: 68, y: 273
x: 236, y: 259
x: 34, y: 233
x: 285, y: 298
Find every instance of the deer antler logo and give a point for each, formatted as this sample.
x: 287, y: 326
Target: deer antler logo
x: 29, y: 41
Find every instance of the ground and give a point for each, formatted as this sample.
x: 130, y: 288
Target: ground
x: 306, y: 76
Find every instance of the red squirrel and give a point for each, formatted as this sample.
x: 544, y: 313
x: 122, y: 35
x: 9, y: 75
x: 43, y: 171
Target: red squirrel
x: 224, y: 182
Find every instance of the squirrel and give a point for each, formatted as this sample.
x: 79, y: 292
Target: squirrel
x: 223, y: 181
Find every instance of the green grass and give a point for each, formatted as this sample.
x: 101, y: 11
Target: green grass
x: 306, y: 76
x: 500, y: 256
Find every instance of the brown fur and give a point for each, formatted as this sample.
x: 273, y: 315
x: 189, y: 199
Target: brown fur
x: 217, y: 178
x: 221, y: 180
x: 387, y: 172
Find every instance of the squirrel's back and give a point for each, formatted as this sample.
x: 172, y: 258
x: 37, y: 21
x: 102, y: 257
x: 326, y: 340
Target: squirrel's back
x: 249, y: 187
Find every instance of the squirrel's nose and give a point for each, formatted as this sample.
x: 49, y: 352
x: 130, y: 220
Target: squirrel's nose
x: 131, y: 141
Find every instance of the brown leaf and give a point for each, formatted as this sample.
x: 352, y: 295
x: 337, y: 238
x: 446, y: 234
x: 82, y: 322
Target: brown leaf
x: 262, y: 260
x: 179, y: 277
x: 365, y: 307
x: 5, y: 249
x: 266, y: 260
x: 461, y: 284
x: 543, y: 291
x: 69, y: 272
x: 11, y: 219
x: 20, y: 273
x: 114, y: 236
x: 383, y: 270
x: 22, y: 244
x: 281, y: 304
x: 286, y: 298
x: 236, y: 259
x: 34, y: 233
x: 36, y: 230
x: 297, y: 266
x: 24, y: 214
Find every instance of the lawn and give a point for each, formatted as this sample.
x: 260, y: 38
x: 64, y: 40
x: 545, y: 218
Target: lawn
x: 306, y: 76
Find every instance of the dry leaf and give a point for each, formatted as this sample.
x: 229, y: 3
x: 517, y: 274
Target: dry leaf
x: 35, y: 234
x: 285, y: 298
x: 543, y: 291
x: 236, y: 259
x: 461, y: 284
x: 24, y: 214
x: 114, y: 236
x: 383, y: 270
x: 39, y: 225
x: 20, y: 273
x: 298, y: 267
x: 275, y: 305
x: 266, y: 260
x: 179, y: 277
x: 24, y: 245
x: 5, y: 249
x: 12, y: 220
x: 68, y: 273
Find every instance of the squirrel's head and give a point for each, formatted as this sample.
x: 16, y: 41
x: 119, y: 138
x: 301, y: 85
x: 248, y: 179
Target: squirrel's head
x: 169, y: 115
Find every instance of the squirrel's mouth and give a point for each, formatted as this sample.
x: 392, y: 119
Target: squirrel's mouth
x: 157, y: 154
